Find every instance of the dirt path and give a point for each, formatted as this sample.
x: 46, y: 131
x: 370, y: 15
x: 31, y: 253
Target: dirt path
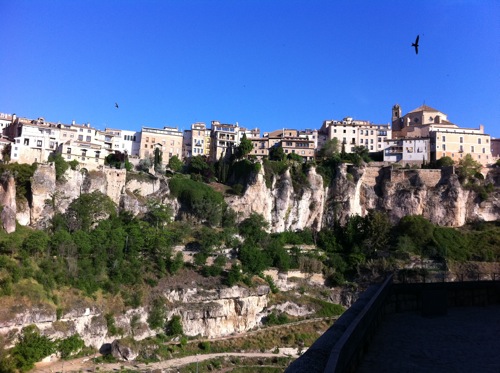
x: 86, y: 365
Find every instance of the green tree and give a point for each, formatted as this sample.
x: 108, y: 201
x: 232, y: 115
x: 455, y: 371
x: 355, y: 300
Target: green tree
x: 276, y: 153
x: 88, y: 209
x: 70, y: 345
x: 157, y: 314
x: 468, y: 168
x: 60, y: 164
x: 234, y: 275
x: 253, y: 259
x: 444, y: 162
x: 419, y: 230
x: 253, y: 227
x: 30, y: 348
x: 158, y: 158
x: 175, y: 164
x: 36, y: 243
x: 244, y: 148
x: 174, y: 326
x: 158, y: 214
x: 330, y: 148
x: 295, y: 157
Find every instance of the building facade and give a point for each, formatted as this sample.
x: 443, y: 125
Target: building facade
x: 351, y: 133
x: 168, y: 140
x: 223, y: 140
x: 446, y: 139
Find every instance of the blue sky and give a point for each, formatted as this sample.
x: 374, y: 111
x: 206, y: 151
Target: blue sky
x: 267, y: 64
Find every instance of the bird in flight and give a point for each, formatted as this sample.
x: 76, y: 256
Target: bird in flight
x: 416, y: 44
x: 116, y: 105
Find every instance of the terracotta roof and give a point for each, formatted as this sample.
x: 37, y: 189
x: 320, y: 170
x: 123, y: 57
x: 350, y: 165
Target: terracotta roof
x: 424, y: 108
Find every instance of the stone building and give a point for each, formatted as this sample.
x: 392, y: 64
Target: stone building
x: 446, y: 139
x: 168, y: 140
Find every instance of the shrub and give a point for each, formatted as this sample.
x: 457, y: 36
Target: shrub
x: 157, y: 314
x: 201, y: 200
x: 31, y: 348
x: 70, y: 345
x: 174, y: 326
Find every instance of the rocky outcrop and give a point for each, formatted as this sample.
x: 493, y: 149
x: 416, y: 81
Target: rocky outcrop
x: 286, y: 205
x: 208, y: 313
x: 218, y: 312
x: 282, y: 206
x: 122, y: 350
x: 8, y: 202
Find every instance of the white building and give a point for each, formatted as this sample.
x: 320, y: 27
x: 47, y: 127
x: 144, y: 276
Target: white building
x: 351, y: 133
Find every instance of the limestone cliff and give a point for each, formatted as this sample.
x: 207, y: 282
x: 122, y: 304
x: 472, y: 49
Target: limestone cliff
x: 282, y: 206
x: 208, y: 313
x: 286, y: 205
x: 437, y: 195
x: 8, y: 202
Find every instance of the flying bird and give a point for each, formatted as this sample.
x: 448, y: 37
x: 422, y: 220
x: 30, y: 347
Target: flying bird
x: 116, y: 105
x: 416, y: 44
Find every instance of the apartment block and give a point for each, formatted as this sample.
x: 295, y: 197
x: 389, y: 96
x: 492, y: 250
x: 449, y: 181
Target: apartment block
x: 351, y: 133
x: 125, y: 141
x: 168, y: 140
x: 302, y: 143
x: 196, y: 141
x: 223, y: 140
x: 408, y: 150
x: 33, y: 140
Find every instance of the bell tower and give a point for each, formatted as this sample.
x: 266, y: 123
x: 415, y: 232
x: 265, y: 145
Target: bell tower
x: 396, y: 118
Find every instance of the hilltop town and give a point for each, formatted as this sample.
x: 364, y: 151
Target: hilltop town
x: 420, y: 136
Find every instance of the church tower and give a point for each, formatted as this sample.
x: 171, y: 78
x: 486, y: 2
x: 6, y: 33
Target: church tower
x: 396, y: 118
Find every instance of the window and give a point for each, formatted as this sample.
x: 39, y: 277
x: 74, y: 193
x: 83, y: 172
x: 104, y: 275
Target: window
x: 147, y: 139
x: 461, y: 140
x: 89, y: 131
x: 344, y: 131
x: 39, y: 143
x: 479, y: 140
x: 472, y: 149
x: 444, y: 138
x: 88, y: 139
x: 26, y: 141
x: 484, y: 150
x: 444, y: 147
x: 80, y: 137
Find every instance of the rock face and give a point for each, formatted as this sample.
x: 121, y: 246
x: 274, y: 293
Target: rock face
x: 220, y: 312
x: 435, y: 194
x: 122, y: 351
x: 8, y: 202
x: 208, y: 313
x: 283, y: 208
